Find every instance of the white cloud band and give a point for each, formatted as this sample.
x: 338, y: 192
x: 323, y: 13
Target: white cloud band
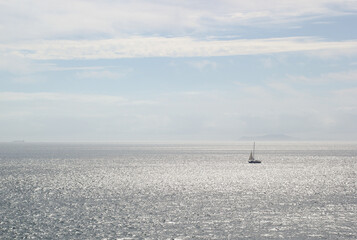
x: 71, y: 98
x: 141, y: 47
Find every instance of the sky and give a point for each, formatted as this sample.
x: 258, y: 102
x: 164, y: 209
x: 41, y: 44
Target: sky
x: 188, y: 70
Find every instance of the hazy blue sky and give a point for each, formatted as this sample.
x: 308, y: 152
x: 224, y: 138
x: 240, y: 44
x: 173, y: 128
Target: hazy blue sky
x: 105, y: 70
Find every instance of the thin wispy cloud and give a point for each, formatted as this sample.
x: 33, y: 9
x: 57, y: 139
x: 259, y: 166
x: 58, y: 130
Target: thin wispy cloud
x: 326, y: 78
x: 140, y: 47
x: 50, y: 96
x: 203, y: 64
x: 99, y: 75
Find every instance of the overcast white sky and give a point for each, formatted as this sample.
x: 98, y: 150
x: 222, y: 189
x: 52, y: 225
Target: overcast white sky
x: 103, y: 70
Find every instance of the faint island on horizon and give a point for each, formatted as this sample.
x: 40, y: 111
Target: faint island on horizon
x: 269, y: 137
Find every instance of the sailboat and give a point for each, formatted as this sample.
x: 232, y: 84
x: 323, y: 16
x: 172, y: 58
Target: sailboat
x: 251, y: 156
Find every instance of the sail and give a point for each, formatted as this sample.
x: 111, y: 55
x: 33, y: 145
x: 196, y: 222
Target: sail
x: 251, y: 156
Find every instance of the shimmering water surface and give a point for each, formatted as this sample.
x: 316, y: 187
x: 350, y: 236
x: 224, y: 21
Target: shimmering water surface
x: 178, y: 191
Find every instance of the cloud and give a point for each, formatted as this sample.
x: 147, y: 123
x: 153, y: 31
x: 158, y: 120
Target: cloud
x: 326, y: 78
x: 267, y: 62
x: 203, y: 64
x: 99, y: 75
x: 53, y: 19
x: 32, y: 19
x: 349, y: 76
x: 17, y: 64
x: 50, y: 96
x: 140, y: 47
x: 20, y: 69
x: 55, y: 29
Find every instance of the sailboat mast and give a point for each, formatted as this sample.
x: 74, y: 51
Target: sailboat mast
x: 253, y: 149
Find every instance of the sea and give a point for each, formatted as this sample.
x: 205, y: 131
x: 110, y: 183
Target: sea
x: 301, y: 190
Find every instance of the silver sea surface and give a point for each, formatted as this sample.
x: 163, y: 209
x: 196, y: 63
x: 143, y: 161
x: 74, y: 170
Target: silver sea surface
x: 178, y: 191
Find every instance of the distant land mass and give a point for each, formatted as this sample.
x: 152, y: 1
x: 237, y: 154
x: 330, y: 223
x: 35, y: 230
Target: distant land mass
x: 269, y: 137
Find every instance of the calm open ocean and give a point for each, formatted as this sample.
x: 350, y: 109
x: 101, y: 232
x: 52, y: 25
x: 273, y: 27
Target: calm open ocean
x: 178, y: 191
